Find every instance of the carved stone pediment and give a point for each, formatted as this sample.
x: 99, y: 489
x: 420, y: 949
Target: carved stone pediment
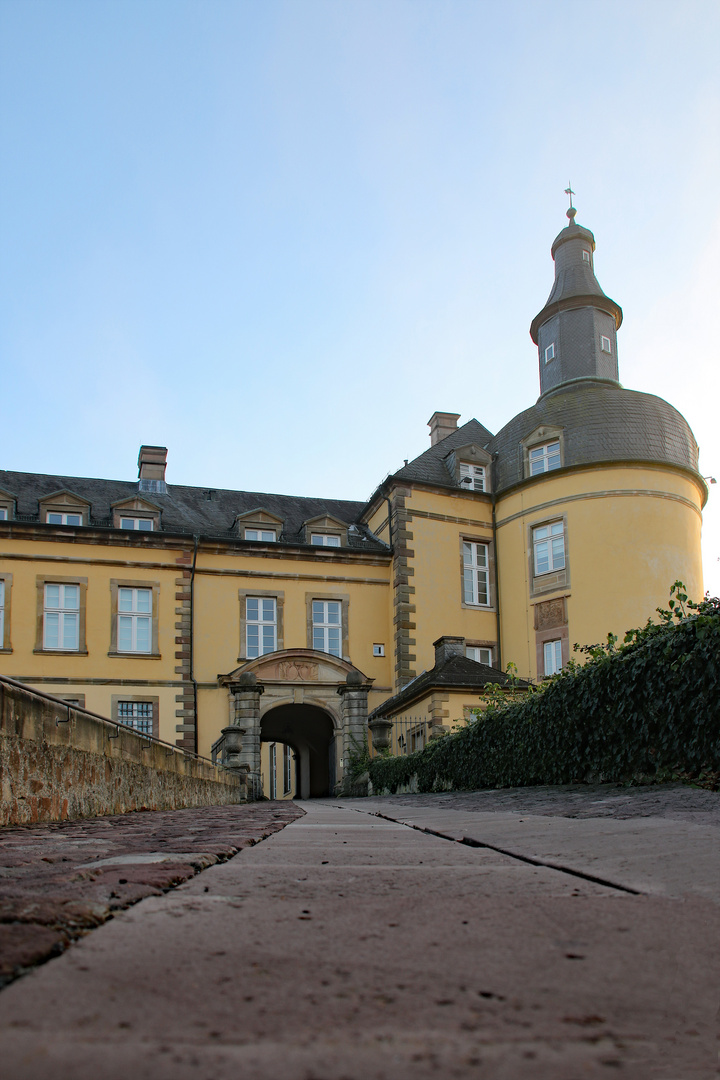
x: 294, y: 666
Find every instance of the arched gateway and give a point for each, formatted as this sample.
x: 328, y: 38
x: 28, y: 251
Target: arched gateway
x: 310, y: 700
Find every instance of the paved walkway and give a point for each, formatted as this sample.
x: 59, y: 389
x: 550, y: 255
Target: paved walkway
x: 352, y: 947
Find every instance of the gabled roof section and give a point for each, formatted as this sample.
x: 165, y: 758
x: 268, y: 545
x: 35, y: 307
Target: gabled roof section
x: 455, y: 673
x: 431, y: 467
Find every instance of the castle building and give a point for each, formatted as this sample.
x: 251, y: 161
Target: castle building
x: 241, y: 619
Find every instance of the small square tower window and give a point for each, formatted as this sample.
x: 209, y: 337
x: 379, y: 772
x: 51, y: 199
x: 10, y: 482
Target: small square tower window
x: 550, y: 352
x: 605, y: 344
x: 378, y: 649
x: 586, y: 255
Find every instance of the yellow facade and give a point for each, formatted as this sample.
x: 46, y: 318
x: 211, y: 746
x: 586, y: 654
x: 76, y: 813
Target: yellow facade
x: 292, y: 620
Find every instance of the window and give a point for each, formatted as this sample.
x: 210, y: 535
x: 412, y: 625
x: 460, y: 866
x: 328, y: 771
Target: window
x: 272, y: 794
x: 134, y: 624
x: 266, y: 535
x: 3, y: 513
x: 378, y: 649
x: 472, y: 476
x: 549, y: 547
x: 586, y: 255
x: 482, y: 656
x: 53, y: 518
x: 287, y: 769
x: 476, y: 573
x: 552, y: 653
x: 138, y: 523
x: 605, y: 344
x: 324, y: 540
x: 260, y: 625
x: 550, y: 352
x: 137, y: 715
x: 61, y: 620
x: 327, y: 626
x: 2, y: 613
x: 544, y: 458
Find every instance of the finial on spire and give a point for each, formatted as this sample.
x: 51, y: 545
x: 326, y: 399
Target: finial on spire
x: 571, y: 211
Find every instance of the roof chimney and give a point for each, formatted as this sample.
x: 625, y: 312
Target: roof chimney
x: 441, y: 425
x: 447, y: 646
x: 151, y: 462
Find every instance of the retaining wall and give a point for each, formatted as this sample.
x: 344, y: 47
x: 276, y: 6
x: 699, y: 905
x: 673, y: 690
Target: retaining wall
x: 59, y: 762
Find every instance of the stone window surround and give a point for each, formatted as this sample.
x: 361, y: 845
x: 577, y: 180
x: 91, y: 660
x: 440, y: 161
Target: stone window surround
x: 554, y: 580
x: 64, y: 502
x: 6, y: 643
x: 540, y: 437
x: 115, y: 698
x: 279, y: 597
x: 154, y: 586
x: 475, y: 539
x: 324, y: 525
x: 555, y: 633
x: 471, y: 454
x: 7, y: 503
x: 485, y: 643
x: 80, y: 698
x: 344, y: 601
x: 41, y: 581
x: 259, y: 519
x: 136, y: 508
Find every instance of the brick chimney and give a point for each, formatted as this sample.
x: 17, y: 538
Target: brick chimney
x: 152, y: 461
x: 441, y: 425
x: 447, y: 646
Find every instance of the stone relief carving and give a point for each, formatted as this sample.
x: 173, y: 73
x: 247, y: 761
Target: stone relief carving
x: 296, y: 671
x: 550, y: 613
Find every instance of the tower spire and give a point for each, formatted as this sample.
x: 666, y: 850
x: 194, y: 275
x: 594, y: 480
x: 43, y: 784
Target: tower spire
x: 576, y: 330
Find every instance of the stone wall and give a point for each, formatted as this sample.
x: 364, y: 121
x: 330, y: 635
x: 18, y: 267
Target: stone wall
x: 59, y: 762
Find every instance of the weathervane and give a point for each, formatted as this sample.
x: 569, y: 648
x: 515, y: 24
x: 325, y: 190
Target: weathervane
x: 571, y: 211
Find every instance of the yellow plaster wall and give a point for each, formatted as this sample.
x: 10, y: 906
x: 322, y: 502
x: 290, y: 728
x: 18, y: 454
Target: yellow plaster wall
x: 631, y: 532
x: 437, y: 565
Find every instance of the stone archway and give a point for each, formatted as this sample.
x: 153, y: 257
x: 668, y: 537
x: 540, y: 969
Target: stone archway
x: 301, y: 680
x: 311, y: 733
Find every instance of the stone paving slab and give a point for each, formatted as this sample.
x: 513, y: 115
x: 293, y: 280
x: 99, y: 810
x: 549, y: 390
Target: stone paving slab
x: 60, y: 880
x: 663, y: 840
x: 347, y: 947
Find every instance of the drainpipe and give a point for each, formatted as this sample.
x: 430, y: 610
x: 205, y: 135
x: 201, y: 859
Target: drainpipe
x: 196, y: 540
x: 390, y: 535
x: 497, y: 560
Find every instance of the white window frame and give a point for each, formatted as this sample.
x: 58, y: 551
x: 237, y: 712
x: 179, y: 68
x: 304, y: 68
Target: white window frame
x: 605, y: 344
x: 326, y: 628
x: 265, y: 536
x: 136, y: 715
x: 549, y: 548
x: 2, y: 613
x: 272, y: 794
x: 476, y: 573
x: 547, y: 457
x: 586, y: 256
x: 479, y: 653
x: 67, y: 614
x: 133, y: 618
x: 472, y: 476
x: 550, y: 352
x: 552, y: 657
x: 324, y: 540
x: 3, y: 513
x: 63, y: 517
x: 140, y: 524
x: 260, y: 626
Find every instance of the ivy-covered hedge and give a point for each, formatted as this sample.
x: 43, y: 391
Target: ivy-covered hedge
x: 650, y: 708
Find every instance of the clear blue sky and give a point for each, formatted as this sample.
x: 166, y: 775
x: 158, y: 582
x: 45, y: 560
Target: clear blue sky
x: 276, y: 236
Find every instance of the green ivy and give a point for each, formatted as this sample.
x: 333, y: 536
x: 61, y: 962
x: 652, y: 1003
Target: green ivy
x: 646, y: 709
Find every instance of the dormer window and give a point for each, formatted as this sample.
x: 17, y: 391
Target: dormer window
x: 605, y: 344
x: 550, y: 352
x: 140, y: 524
x: 63, y: 519
x: 3, y: 513
x: 544, y: 458
x: 586, y: 255
x: 266, y: 536
x: 324, y: 540
x: 472, y: 477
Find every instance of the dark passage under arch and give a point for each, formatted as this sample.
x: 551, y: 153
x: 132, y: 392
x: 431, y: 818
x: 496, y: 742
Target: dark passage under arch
x: 309, y: 731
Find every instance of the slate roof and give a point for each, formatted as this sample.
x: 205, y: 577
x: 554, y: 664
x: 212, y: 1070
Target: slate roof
x: 455, y: 673
x: 601, y: 423
x: 187, y: 509
x: 430, y: 467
